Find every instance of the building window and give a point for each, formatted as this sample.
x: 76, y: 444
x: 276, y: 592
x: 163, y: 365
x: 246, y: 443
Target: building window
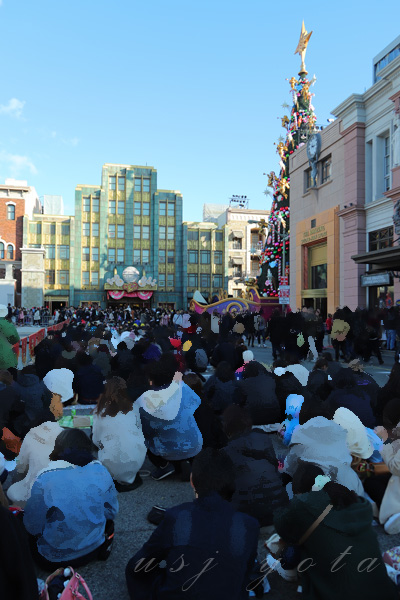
x: 237, y: 244
x: 205, y: 257
x: 307, y: 179
x: 50, y: 251
x: 121, y: 184
x: 136, y: 257
x: 86, y: 203
x: 386, y: 165
x: 49, y: 228
x: 35, y: 228
x: 111, y: 255
x: 63, y: 252
x: 170, y: 280
x: 162, y: 231
x: 171, y: 209
x: 193, y: 257
x: 121, y: 208
x: 63, y: 277
x: 237, y: 271
x: 94, y: 278
x: 120, y: 256
x: 64, y: 229
x: 50, y: 277
x: 219, y: 236
x: 121, y: 232
x: 326, y: 169
x: 146, y: 232
x: 313, y: 223
x: 86, y: 229
x: 161, y: 256
x: 146, y: 185
x: 137, y: 209
x: 85, y: 277
x: 146, y: 209
x: 382, y: 238
x: 192, y: 280
x: 111, y: 207
x: 145, y: 257
x: 10, y: 252
x: 193, y: 235
x: 11, y: 212
x: 86, y: 254
x: 111, y: 231
x: 1, y: 250
x: 205, y: 236
x: 217, y: 281
x: 205, y: 280
x: 95, y: 229
x: 171, y: 233
x: 163, y: 209
x: 32, y: 246
x: 171, y: 256
x: 319, y: 277
x: 95, y: 254
x: 161, y: 280
x: 112, y: 182
x: 138, y: 184
x: 136, y: 232
x: 95, y: 205
x: 218, y: 257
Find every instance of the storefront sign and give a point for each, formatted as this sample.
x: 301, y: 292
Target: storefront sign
x: 284, y: 294
x: 376, y: 279
x: 311, y: 235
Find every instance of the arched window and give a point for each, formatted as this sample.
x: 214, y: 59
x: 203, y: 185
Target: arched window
x: 11, y: 212
x: 1, y: 250
x: 10, y: 252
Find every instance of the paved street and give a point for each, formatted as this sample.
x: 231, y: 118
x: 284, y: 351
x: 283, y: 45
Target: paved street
x: 107, y: 580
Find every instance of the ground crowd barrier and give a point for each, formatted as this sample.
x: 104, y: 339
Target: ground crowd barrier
x: 24, y: 349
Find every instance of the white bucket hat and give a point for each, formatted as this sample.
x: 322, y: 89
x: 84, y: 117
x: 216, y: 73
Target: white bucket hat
x: 59, y: 381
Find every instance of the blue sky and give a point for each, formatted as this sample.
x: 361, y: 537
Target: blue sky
x: 194, y: 89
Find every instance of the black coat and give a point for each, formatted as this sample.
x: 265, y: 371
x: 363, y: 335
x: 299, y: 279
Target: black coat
x: 286, y: 384
x: 221, y: 394
x: 224, y: 351
x: 260, y: 399
x: 210, y: 426
x: 259, y: 489
x: 17, y: 570
x: 319, y: 385
x: 357, y: 401
x: 34, y: 393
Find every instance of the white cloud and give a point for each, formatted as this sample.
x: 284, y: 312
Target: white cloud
x: 16, y: 163
x: 13, y: 108
x: 71, y: 142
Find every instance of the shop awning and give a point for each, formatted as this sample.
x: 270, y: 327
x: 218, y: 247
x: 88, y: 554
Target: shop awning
x: 237, y: 233
x: 238, y: 260
x: 388, y: 258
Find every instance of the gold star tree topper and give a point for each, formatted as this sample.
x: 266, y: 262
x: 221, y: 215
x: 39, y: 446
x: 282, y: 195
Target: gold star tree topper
x: 302, y: 47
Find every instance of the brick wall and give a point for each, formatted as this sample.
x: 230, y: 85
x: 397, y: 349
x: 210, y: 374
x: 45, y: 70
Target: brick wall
x: 12, y: 231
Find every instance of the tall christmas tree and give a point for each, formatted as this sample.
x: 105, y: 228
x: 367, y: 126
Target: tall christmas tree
x: 298, y: 128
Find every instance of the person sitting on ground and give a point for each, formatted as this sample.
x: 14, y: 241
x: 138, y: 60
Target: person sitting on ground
x: 319, y: 383
x: 259, y: 490
x: 286, y: 383
x: 298, y: 370
x: 12, y: 416
x: 221, y: 389
x: 73, y: 503
x: 88, y: 380
x: 166, y: 411
x: 333, y: 366
x: 207, y: 421
x: 387, y: 497
x: 205, y: 531
x: 388, y: 391
x: 365, y: 381
x: 258, y: 387
x: 247, y: 356
x: 32, y: 391
x: 340, y: 548
x: 117, y: 432
x: 348, y: 394
x: 39, y: 441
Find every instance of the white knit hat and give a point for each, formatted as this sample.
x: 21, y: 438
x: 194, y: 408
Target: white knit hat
x: 247, y: 356
x: 59, y: 381
x: 358, y: 442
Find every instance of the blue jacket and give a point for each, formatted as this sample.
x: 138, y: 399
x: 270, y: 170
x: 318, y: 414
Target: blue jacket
x: 68, y: 509
x: 168, y: 424
x: 211, y: 537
